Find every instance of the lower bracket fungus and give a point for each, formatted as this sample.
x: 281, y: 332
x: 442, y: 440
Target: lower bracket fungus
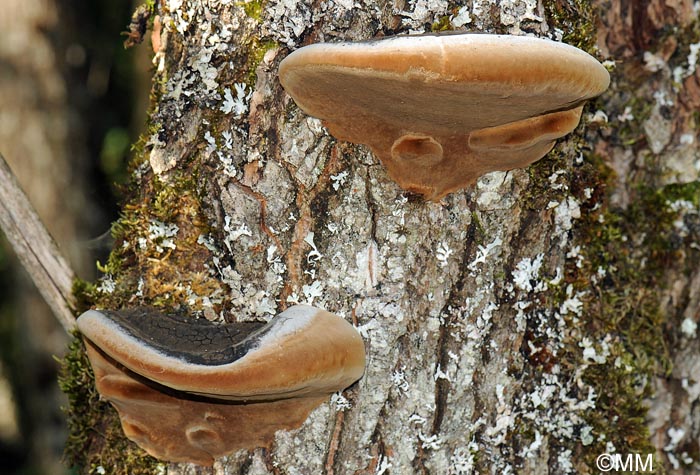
x: 441, y: 110
x: 191, y: 391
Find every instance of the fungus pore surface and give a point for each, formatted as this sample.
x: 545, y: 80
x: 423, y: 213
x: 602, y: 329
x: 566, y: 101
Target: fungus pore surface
x: 441, y: 110
x: 192, y: 391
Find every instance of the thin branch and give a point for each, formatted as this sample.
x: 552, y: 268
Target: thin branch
x: 36, y: 250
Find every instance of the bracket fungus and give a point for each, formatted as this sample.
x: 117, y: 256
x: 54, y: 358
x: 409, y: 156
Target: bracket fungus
x: 191, y: 391
x: 441, y: 110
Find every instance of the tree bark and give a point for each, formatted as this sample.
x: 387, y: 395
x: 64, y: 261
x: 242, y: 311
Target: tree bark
x: 525, y: 325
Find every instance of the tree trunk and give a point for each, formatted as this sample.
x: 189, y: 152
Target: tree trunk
x: 528, y: 324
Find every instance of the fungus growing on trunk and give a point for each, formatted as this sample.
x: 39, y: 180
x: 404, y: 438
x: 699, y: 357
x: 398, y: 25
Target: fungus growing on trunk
x: 441, y: 110
x: 191, y: 391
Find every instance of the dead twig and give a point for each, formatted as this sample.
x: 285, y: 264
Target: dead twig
x: 36, y: 250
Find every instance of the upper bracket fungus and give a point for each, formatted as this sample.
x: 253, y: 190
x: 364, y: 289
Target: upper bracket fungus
x: 441, y: 110
x: 191, y: 391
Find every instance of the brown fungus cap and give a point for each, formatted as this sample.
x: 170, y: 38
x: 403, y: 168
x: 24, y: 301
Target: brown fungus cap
x: 226, y: 387
x: 441, y: 110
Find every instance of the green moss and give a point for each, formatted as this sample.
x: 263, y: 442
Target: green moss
x: 443, y: 24
x: 256, y: 54
x: 629, y: 133
x: 540, y: 191
x: 476, y: 222
x: 253, y: 8
x: 674, y: 192
x: 85, y: 294
x: 151, y: 5
x: 138, y: 149
x: 634, y: 246
x: 576, y: 19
